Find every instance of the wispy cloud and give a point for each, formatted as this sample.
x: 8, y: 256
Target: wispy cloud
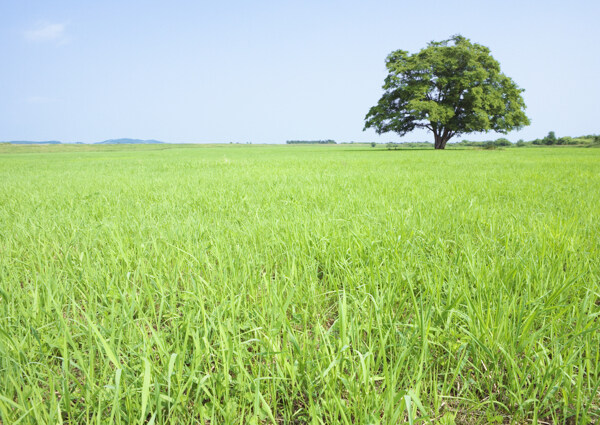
x: 47, y: 32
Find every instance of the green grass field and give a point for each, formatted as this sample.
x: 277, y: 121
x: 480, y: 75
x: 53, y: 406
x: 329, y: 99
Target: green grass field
x: 298, y: 284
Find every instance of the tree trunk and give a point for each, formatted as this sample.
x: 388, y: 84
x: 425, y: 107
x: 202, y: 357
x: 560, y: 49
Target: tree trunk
x: 440, y: 141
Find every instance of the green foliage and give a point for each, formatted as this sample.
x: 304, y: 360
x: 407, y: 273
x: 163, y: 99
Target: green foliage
x: 566, y: 140
x: 242, y: 284
x: 502, y: 142
x: 520, y: 143
x: 450, y: 87
x: 373, y: 144
x: 550, y: 139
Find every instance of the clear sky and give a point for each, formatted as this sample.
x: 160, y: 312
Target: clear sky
x: 270, y: 71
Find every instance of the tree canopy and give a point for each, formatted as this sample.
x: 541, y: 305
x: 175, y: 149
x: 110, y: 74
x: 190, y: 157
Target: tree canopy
x: 451, y: 87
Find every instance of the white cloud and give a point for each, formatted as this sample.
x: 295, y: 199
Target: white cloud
x: 47, y: 32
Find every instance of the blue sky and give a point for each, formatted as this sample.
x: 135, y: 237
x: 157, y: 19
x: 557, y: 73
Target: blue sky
x: 269, y: 71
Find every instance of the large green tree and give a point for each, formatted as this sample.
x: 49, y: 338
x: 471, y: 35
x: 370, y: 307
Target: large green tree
x: 451, y: 87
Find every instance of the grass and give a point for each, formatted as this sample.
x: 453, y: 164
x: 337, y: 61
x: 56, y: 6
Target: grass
x: 298, y: 284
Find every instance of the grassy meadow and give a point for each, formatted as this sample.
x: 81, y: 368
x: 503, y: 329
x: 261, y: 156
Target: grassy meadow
x: 246, y: 284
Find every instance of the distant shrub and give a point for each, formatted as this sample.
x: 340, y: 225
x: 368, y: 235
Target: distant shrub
x: 566, y: 140
x: 418, y: 144
x: 550, y: 139
x: 472, y: 144
x: 502, y: 142
x: 520, y: 143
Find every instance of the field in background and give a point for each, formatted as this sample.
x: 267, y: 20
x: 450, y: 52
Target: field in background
x: 298, y: 284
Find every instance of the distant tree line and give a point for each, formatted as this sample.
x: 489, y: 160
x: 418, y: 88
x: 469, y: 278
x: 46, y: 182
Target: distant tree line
x: 500, y: 142
x: 551, y: 139
x: 311, y: 142
x: 548, y: 140
x: 394, y: 145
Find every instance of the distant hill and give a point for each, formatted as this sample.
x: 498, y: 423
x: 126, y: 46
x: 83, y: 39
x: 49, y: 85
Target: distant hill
x: 105, y: 142
x: 127, y: 142
x: 26, y: 142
